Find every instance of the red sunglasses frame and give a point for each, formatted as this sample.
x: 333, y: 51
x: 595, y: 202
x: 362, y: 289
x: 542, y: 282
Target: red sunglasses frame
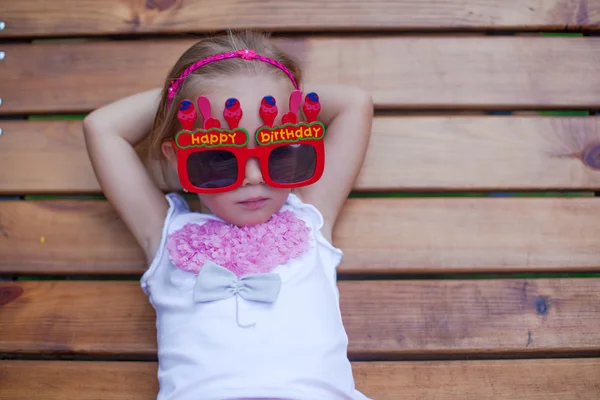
x: 242, y: 154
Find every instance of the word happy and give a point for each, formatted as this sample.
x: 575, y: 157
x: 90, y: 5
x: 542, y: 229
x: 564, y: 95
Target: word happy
x: 290, y: 133
x: 212, y: 138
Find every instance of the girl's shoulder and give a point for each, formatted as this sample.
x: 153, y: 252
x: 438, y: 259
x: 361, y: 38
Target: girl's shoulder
x: 180, y: 213
x: 314, y: 219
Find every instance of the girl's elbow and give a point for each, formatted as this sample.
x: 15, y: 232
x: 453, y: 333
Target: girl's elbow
x: 91, y: 124
x: 366, y: 100
x: 363, y: 101
x: 365, y: 106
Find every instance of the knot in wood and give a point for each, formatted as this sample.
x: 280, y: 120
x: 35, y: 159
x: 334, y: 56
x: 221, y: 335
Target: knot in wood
x: 541, y: 306
x: 591, y: 156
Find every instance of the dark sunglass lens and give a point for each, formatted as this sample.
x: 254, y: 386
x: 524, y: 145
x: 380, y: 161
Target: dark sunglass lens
x: 292, y: 163
x: 212, y: 169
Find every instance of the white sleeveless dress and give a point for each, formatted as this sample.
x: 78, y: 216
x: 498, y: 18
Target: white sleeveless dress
x: 294, y: 347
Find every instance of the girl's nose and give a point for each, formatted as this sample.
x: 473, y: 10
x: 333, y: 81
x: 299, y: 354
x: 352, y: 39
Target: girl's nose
x: 253, y: 175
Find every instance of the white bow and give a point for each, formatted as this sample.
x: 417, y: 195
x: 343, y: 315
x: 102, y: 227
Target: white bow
x: 217, y: 283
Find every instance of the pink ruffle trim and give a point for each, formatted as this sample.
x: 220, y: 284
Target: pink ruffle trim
x: 245, y: 250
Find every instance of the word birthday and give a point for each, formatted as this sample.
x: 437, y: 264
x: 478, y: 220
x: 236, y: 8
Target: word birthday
x: 212, y: 138
x: 290, y: 133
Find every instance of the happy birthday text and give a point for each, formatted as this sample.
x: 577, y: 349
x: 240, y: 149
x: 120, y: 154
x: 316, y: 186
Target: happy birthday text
x: 212, y: 138
x: 290, y: 133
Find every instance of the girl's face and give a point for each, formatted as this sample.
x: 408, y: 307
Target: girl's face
x: 254, y: 202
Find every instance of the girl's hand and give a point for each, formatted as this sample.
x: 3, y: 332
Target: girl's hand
x: 347, y: 113
x: 111, y: 132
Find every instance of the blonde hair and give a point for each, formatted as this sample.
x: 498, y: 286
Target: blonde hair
x: 166, y: 124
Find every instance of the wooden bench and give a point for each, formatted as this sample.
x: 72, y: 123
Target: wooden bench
x: 448, y: 289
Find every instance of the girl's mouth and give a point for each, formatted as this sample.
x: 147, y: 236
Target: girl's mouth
x: 253, y: 203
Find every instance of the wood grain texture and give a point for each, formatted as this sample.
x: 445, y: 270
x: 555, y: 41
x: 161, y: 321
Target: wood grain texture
x: 406, y: 153
x: 46, y: 157
x: 377, y: 236
x: 382, y: 318
x: 93, y: 17
x: 559, y: 379
x: 400, y: 72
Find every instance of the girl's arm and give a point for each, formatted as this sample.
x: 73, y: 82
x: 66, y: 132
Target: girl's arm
x: 111, y: 132
x: 347, y: 113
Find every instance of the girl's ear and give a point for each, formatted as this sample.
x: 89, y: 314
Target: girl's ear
x: 169, y: 153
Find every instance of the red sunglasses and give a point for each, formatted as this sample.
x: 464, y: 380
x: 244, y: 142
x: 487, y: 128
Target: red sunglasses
x: 213, y: 160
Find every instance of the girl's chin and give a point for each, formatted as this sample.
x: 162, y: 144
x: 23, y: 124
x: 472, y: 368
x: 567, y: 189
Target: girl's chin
x: 253, y: 217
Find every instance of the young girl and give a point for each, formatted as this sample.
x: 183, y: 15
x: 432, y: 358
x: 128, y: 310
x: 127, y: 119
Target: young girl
x: 245, y: 296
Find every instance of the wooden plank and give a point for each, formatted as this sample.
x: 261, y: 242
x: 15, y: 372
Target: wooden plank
x: 433, y: 153
x: 420, y: 72
x: 46, y: 157
x: 557, y: 379
x: 92, y: 17
x: 383, y: 319
x: 381, y: 236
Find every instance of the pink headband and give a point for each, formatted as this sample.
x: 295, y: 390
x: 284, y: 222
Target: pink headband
x: 244, y: 53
